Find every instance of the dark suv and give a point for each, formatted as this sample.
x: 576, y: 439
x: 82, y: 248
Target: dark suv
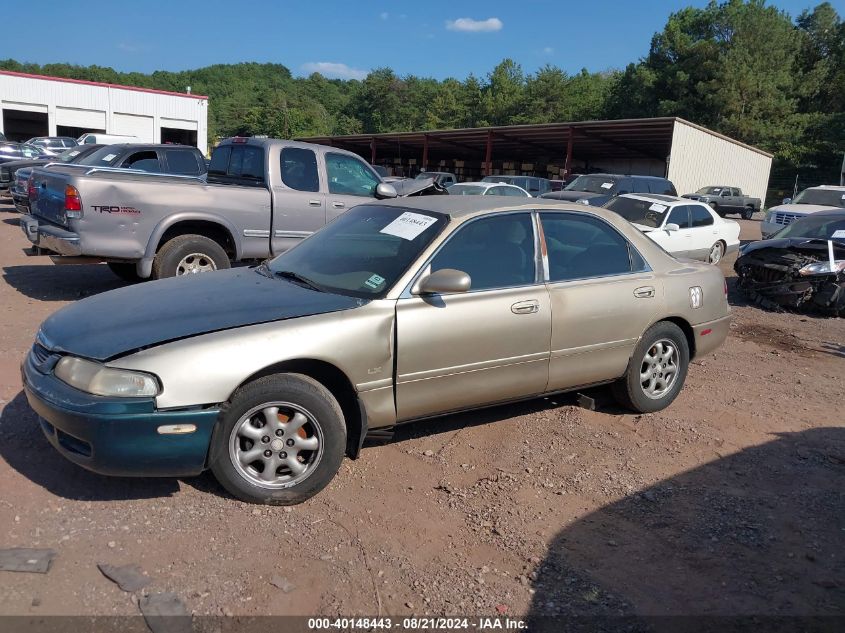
x: 596, y: 189
x: 183, y: 160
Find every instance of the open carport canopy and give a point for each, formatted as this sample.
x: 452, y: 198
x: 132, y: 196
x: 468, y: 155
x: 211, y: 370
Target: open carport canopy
x: 585, y: 140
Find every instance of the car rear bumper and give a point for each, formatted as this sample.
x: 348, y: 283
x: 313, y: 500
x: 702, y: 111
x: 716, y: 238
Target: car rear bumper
x: 709, y: 336
x: 117, y: 436
x: 51, y: 237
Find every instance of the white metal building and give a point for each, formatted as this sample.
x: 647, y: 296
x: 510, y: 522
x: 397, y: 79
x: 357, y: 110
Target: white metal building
x: 35, y: 105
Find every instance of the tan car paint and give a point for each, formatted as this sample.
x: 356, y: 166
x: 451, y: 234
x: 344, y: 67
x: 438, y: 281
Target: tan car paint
x: 463, y: 350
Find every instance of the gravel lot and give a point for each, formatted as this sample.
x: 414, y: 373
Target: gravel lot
x: 730, y: 502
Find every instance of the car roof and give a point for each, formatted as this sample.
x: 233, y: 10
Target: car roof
x: 670, y: 201
x: 626, y: 176
x: 466, y: 206
x: 830, y: 187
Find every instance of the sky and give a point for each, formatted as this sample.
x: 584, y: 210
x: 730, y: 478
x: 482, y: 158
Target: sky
x: 344, y: 39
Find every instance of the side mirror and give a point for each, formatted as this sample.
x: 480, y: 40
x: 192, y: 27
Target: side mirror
x: 672, y: 227
x: 787, y: 201
x: 443, y: 281
x: 385, y: 190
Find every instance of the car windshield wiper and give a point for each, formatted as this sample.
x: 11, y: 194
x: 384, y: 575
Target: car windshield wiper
x: 297, y: 278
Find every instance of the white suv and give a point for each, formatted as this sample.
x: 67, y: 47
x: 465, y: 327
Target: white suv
x: 812, y: 200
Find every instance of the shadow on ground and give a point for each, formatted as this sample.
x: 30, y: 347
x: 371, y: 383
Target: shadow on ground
x: 751, y: 541
x: 61, y: 283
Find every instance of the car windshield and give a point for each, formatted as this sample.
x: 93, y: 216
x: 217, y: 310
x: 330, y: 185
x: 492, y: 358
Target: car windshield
x: 593, y: 184
x: 820, y: 227
x: 822, y: 197
x: 642, y: 212
x: 68, y: 155
x: 362, y: 253
x: 467, y: 190
x: 103, y: 157
x: 710, y: 190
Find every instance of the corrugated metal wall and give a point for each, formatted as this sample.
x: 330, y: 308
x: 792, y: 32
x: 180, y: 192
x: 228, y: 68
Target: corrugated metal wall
x: 112, y: 108
x: 700, y: 158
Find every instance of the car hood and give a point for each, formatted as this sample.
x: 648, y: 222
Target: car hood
x: 803, y: 208
x: 17, y: 164
x: 418, y: 187
x: 792, y: 243
x: 128, y: 319
x: 643, y: 228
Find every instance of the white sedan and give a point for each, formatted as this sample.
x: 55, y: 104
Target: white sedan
x: 684, y: 228
x: 487, y: 189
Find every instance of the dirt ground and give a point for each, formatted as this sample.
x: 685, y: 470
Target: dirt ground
x: 730, y: 502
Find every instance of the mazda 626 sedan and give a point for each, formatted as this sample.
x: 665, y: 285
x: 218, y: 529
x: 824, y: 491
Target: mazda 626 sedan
x: 396, y: 311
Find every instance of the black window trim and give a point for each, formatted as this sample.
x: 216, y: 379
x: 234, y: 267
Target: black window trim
x: 631, y: 249
x: 425, y: 268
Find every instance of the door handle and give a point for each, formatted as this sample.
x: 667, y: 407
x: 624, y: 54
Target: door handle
x: 525, y: 307
x: 644, y: 292
x: 338, y: 205
x: 314, y: 203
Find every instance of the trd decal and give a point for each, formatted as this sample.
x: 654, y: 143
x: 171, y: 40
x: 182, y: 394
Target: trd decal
x: 112, y: 209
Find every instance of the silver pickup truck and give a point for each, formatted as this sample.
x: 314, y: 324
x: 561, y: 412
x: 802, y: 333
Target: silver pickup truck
x: 724, y: 200
x: 260, y: 197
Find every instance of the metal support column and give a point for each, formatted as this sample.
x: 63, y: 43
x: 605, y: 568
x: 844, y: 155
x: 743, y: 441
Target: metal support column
x: 425, y: 153
x: 567, y: 166
x: 373, y: 151
x: 488, y: 158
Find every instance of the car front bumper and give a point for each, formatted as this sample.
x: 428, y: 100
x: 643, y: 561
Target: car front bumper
x: 21, y: 202
x: 51, y: 237
x: 117, y: 436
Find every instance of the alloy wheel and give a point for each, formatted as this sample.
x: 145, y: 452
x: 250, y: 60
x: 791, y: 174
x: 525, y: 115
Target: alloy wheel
x: 659, y: 369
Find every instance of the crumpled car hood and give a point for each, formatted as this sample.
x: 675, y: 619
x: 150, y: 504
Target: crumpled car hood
x: 421, y: 187
x: 121, y: 321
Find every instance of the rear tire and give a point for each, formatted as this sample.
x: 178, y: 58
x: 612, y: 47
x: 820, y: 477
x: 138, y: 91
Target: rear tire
x: 747, y: 213
x: 717, y: 252
x: 188, y: 254
x: 657, y: 370
x: 288, y: 423
x: 127, y: 272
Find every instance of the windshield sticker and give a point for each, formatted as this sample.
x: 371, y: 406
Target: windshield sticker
x: 607, y: 185
x: 109, y: 156
x: 657, y: 207
x: 838, y: 235
x: 374, y: 282
x: 408, y: 225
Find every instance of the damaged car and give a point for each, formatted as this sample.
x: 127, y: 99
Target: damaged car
x: 802, y: 267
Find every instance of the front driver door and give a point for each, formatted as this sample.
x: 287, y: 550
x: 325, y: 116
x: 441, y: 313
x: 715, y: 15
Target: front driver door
x: 487, y: 345
x: 350, y: 181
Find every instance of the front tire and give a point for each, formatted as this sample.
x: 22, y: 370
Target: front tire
x: 189, y: 254
x: 657, y: 370
x: 279, y: 441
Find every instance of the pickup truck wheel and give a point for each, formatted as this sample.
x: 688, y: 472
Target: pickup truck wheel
x: 127, y: 272
x: 747, y: 213
x: 656, y: 371
x: 189, y: 254
x: 279, y: 441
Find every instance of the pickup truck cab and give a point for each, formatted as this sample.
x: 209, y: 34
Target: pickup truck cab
x: 259, y: 198
x: 724, y: 200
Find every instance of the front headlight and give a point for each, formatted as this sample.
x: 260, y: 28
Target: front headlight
x: 100, y: 380
x: 823, y: 268
x: 583, y: 201
x: 768, y: 217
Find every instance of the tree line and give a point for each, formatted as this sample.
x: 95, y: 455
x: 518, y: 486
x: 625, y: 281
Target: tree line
x: 740, y: 67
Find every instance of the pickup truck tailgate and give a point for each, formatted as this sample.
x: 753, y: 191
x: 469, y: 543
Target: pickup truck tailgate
x: 48, y: 198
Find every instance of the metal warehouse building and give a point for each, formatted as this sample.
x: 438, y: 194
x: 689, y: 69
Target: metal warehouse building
x: 35, y: 105
x: 691, y: 156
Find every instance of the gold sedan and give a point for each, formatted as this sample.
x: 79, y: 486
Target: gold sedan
x: 396, y: 311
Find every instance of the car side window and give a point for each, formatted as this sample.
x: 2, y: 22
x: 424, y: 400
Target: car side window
x: 700, y: 216
x: 679, y: 216
x: 143, y: 161
x: 496, y: 252
x: 182, y: 161
x: 513, y: 192
x: 583, y: 246
x: 497, y: 191
x: 299, y: 169
x: 350, y: 176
